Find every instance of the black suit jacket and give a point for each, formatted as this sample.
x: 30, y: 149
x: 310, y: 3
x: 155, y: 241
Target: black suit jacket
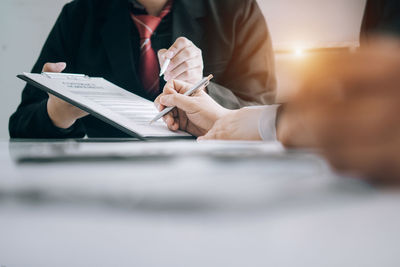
x: 94, y: 37
x: 381, y: 17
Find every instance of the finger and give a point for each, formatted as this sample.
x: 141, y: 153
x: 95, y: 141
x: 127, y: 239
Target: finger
x: 162, y: 56
x: 180, y: 43
x: 189, y: 57
x: 171, y: 122
x: 175, y: 125
x: 169, y: 119
x: 193, y: 63
x: 183, y: 102
x: 157, y: 103
x: 190, y: 75
x: 174, y: 86
x: 168, y: 89
x: 181, y: 87
x: 172, y: 119
x: 54, y: 67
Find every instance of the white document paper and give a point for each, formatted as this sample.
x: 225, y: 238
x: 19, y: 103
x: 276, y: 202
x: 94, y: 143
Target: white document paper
x: 106, y: 101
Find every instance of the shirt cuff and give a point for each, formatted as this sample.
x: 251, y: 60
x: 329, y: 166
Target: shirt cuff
x: 267, y: 123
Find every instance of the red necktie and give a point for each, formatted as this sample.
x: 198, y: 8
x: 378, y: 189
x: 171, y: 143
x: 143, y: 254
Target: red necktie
x: 149, y: 67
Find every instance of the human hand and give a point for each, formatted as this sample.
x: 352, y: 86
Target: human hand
x: 239, y: 124
x: 194, y: 114
x: 61, y: 113
x: 186, y: 61
x: 350, y: 108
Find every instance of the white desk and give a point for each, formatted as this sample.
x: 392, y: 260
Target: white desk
x: 250, y: 205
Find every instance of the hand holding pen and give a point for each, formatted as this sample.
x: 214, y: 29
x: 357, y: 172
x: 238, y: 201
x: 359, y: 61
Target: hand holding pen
x: 182, y: 61
x: 194, y: 114
x: 189, y: 92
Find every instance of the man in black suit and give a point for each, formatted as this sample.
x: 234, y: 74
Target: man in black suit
x: 101, y: 38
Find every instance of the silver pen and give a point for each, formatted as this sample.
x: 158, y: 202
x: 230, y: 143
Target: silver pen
x: 165, y: 66
x: 203, y: 83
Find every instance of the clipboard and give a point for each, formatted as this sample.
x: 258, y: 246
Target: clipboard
x: 106, y: 101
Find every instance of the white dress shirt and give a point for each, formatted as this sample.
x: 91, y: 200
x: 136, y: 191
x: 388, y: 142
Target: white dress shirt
x: 267, y: 123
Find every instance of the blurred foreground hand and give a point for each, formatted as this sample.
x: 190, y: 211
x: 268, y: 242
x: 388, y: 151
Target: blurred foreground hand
x: 349, y: 107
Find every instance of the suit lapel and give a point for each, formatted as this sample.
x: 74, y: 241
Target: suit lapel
x: 116, y: 38
x: 186, y: 22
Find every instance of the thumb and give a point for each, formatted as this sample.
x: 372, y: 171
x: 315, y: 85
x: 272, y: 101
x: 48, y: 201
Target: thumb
x: 54, y: 67
x: 180, y: 101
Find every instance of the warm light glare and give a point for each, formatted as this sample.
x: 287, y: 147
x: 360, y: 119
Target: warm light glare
x: 299, y: 52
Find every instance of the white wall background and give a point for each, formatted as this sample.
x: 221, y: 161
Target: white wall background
x: 313, y: 23
x: 24, y: 25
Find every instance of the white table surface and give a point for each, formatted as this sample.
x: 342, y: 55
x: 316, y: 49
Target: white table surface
x: 187, y: 204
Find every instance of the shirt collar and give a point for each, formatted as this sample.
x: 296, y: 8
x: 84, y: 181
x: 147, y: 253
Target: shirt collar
x: 137, y: 5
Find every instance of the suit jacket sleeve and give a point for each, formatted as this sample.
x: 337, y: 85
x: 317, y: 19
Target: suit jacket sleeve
x: 250, y: 76
x: 31, y: 119
x: 381, y: 17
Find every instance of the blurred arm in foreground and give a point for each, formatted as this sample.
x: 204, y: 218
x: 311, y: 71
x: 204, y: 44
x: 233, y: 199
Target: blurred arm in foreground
x: 349, y: 107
